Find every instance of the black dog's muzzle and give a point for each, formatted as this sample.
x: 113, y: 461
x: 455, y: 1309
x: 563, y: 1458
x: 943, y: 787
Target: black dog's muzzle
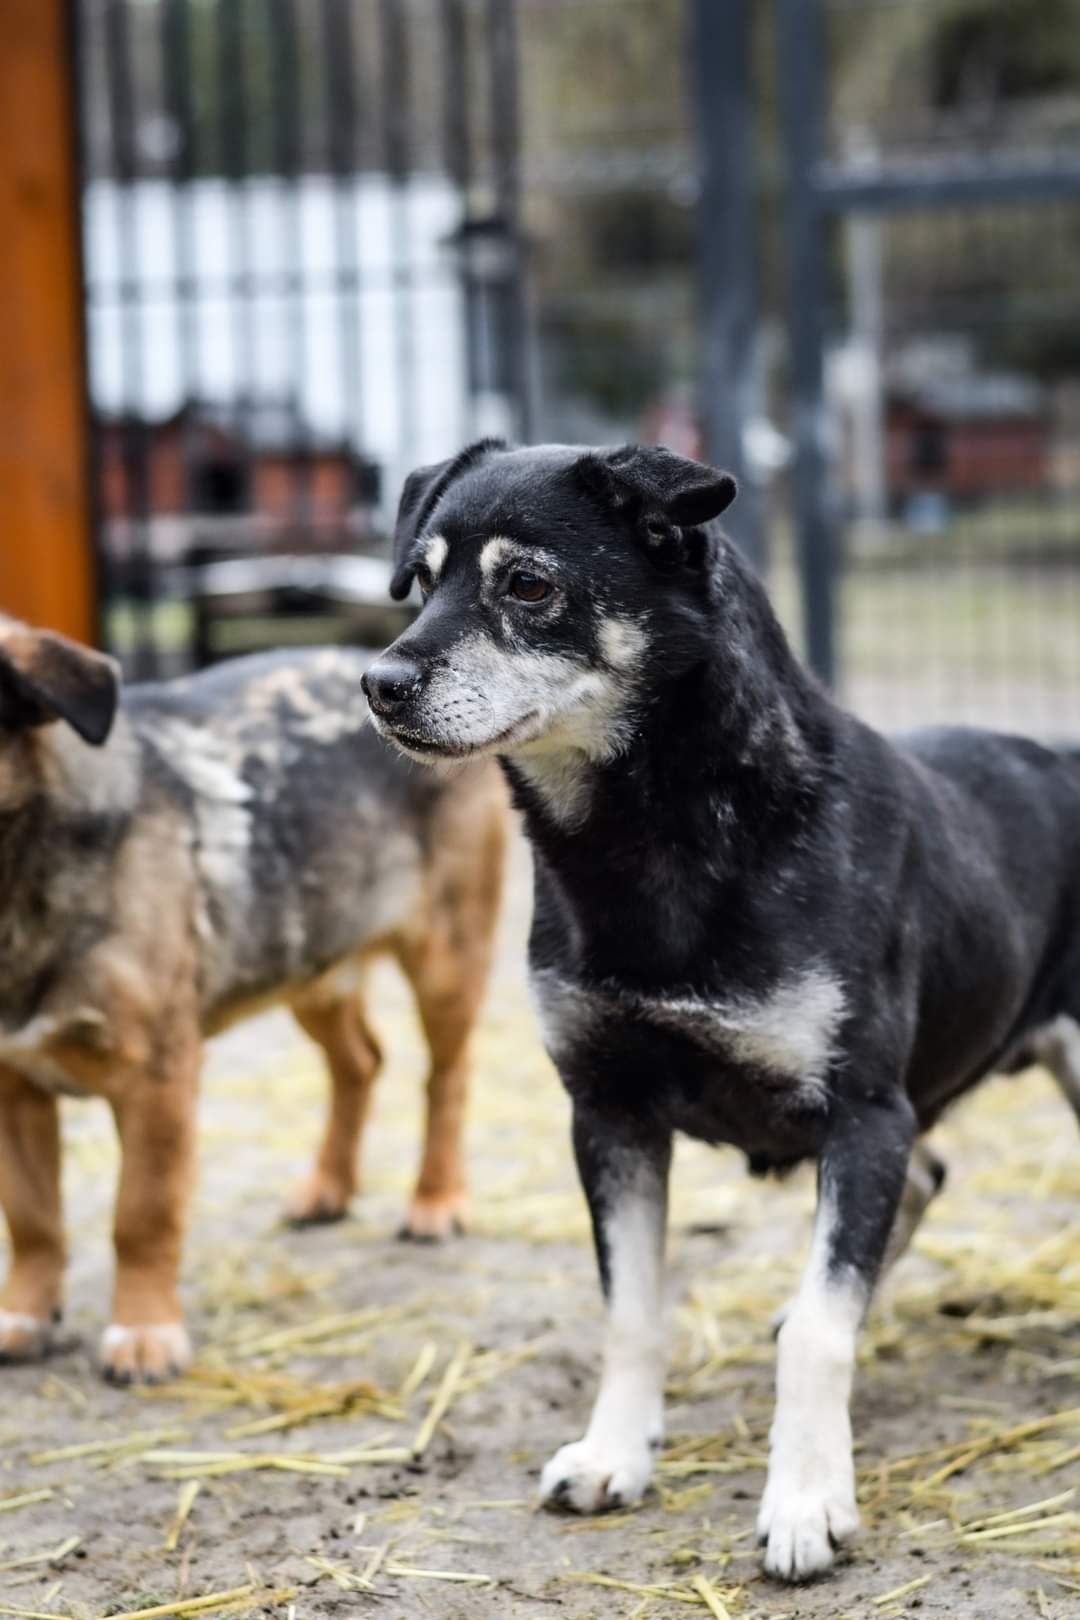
x: 391, y: 683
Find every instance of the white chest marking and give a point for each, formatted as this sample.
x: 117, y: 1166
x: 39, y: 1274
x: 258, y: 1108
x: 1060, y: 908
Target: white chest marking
x: 562, y: 779
x: 790, y: 1032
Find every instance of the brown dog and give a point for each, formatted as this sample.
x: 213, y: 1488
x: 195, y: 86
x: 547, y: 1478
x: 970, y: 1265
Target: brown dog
x: 174, y: 861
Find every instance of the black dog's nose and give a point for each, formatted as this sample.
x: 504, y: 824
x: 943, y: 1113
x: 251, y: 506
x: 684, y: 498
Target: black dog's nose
x: 389, y: 683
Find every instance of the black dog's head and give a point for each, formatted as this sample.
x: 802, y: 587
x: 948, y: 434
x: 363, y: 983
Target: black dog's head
x: 557, y: 582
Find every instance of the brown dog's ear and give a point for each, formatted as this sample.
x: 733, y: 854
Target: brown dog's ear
x: 661, y: 492
x: 423, y: 489
x: 44, y: 676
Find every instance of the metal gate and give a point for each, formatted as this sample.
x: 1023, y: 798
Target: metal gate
x: 934, y: 229
x: 304, y: 242
x: 302, y: 267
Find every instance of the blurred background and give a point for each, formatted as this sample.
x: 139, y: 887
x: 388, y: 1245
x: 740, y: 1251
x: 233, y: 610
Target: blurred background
x: 261, y: 257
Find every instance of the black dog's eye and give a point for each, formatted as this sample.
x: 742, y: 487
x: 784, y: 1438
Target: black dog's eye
x: 525, y: 587
x: 424, y: 578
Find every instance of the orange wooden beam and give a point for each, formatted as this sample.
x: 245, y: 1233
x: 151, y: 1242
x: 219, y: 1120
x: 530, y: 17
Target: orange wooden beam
x: 46, y: 572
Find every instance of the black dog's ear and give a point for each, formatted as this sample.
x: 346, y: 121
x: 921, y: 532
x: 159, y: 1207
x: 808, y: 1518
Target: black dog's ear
x: 423, y: 489
x: 663, y: 492
x: 688, y: 493
x: 44, y: 676
x: 415, y: 501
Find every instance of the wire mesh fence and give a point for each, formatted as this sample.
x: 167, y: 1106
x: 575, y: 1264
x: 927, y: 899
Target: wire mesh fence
x: 954, y: 389
x: 301, y: 272
x: 325, y: 240
x: 953, y: 359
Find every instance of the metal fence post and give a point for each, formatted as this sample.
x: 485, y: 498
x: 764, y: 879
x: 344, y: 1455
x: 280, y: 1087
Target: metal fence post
x: 46, y: 572
x: 720, y: 40
x: 802, y: 64
x: 140, y: 573
x: 502, y: 26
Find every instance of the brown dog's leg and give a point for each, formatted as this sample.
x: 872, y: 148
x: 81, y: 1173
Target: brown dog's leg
x: 448, y: 970
x: 30, y: 1194
x: 353, y: 1058
x: 155, y: 1116
x: 449, y: 981
x: 438, y: 1206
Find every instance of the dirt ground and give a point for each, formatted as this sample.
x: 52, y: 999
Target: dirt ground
x: 967, y: 1404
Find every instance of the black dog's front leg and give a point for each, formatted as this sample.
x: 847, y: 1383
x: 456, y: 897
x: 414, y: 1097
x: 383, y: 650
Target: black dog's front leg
x: 624, y: 1171
x: 809, y: 1502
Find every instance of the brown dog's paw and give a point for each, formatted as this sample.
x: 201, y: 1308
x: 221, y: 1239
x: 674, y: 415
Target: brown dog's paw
x: 431, y: 1220
x: 25, y: 1338
x: 316, y: 1200
x: 144, y: 1354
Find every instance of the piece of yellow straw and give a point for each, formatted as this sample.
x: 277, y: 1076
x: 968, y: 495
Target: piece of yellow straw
x: 101, y: 1448
x: 26, y: 1499
x: 210, y: 1600
x: 708, y: 1593
x: 674, y: 1594
x: 51, y: 1555
x: 444, y: 1395
x: 407, y: 1572
x: 1023, y: 1512
x: 1026, y: 1528
x: 420, y: 1368
x: 185, y: 1502
x: 367, y: 1454
x: 374, y: 1563
x: 1000, y: 1440
x: 1059, y: 1460
x: 901, y: 1591
x: 32, y: 1614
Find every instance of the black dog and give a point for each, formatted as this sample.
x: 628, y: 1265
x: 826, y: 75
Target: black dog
x: 757, y: 921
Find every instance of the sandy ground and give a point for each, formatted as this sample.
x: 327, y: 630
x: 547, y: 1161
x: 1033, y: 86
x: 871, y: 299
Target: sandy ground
x: 976, y: 1335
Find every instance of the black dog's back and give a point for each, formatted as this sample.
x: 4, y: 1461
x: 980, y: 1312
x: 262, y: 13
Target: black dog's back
x: 995, y: 871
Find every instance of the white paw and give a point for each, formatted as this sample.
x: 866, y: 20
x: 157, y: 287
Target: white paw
x: 592, y: 1478
x: 147, y: 1354
x: 22, y: 1337
x: 801, y: 1525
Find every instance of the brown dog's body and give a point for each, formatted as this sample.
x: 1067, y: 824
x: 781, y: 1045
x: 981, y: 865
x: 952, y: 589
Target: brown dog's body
x: 242, y: 838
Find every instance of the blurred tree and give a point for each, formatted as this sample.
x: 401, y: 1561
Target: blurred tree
x: 898, y: 70
x: 984, y: 54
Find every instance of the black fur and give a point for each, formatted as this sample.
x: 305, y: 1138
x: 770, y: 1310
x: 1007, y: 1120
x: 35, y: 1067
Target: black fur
x: 419, y: 499
x: 752, y: 825
x: 744, y: 830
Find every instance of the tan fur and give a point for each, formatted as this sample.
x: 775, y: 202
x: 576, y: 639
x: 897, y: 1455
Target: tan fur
x: 448, y: 964
x: 444, y: 948
x: 128, y: 1026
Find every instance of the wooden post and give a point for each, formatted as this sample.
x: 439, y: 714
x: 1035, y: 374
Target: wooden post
x: 46, y: 572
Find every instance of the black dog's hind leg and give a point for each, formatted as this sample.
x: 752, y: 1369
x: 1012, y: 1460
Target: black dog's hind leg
x: 1058, y: 1048
x: 925, y: 1179
x: 809, y: 1502
x: 624, y: 1173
